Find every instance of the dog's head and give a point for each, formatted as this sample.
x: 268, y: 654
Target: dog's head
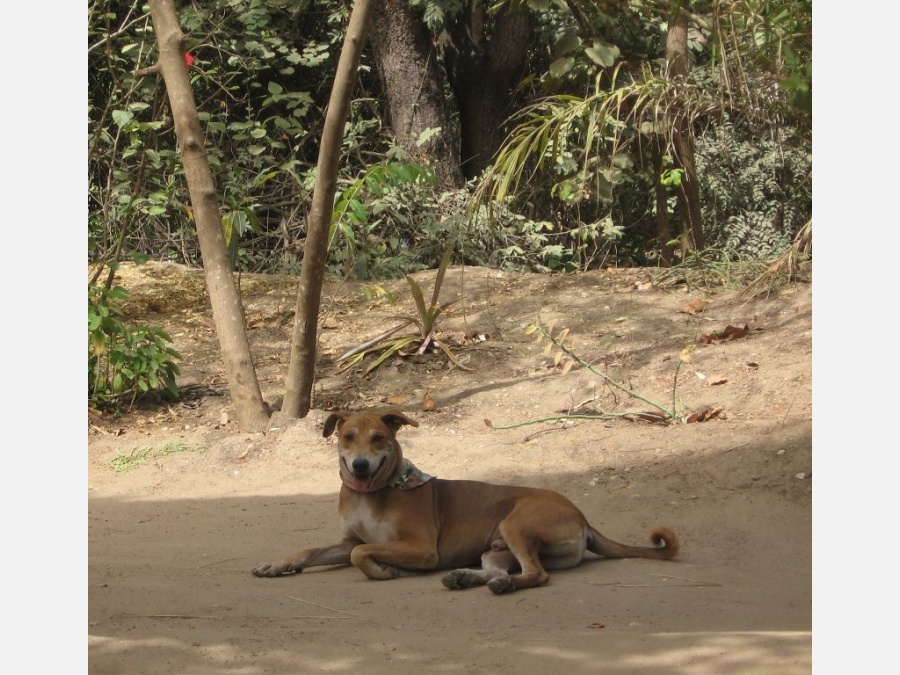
x: 367, y: 446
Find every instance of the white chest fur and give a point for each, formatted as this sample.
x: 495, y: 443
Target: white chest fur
x: 363, y: 524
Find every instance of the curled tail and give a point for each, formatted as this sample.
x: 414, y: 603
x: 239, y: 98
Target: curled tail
x: 665, y: 546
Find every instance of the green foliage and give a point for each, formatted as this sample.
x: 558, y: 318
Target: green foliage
x: 757, y: 189
x: 375, y: 217
x: 577, y: 155
x: 258, y: 80
x: 572, y: 188
x: 125, y: 362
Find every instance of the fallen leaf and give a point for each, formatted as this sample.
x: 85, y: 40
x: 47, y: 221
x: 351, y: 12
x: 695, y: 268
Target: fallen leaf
x: 397, y: 400
x: 734, y: 332
x: 427, y: 402
x: 717, y: 380
x: 489, y: 423
x: 693, y: 307
x: 728, y: 333
x: 752, y: 365
x: 705, y: 415
x: 596, y: 624
x: 330, y: 322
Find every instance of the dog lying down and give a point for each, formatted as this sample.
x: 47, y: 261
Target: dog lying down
x: 394, y: 517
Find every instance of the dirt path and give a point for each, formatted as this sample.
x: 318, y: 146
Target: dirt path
x: 171, y: 541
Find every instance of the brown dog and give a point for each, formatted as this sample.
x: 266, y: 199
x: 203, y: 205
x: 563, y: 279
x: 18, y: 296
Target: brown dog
x: 395, y: 518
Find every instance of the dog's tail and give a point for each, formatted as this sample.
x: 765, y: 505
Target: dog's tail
x: 665, y: 546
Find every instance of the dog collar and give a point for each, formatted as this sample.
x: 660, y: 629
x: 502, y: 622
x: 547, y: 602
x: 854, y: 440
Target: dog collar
x: 410, y: 477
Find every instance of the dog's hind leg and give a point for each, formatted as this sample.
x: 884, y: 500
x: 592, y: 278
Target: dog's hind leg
x: 494, y: 564
x: 524, y: 550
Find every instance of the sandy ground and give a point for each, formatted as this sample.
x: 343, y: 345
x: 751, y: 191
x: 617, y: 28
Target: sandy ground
x: 172, y: 540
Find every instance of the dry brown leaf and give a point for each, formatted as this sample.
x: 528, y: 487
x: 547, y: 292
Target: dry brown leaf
x: 427, y: 402
x: 330, y: 322
x: 567, y: 366
x: 728, y: 333
x: 397, y: 399
x: 706, y: 414
x: 693, y: 306
x: 734, y: 332
x: 717, y: 380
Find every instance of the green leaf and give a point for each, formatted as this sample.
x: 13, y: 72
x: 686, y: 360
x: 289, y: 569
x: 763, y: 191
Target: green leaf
x: 603, y: 53
x: 395, y: 347
x: 562, y: 66
x: 419, y: 298
x: 122, y: 117
x: 569, y: 42
x: 275, y: 88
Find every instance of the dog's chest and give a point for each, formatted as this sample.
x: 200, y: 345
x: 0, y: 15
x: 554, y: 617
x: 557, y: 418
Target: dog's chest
x: 370, y: 526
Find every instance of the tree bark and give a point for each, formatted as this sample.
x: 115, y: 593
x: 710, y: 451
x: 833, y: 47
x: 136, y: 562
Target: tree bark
x: 413, y: 83
x: 485, y: 57
x: 228, y: 313
x: 302, y: 367
x: 682, y: 132
x: 663, y: 228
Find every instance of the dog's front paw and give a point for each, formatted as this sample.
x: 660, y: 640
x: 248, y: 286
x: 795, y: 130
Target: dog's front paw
x: 275, y: 570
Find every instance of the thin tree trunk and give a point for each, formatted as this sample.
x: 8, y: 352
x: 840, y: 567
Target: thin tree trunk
x: 228, y: 313
x: 682, y: 133
x: 663, y: 227
x: 302, y: 367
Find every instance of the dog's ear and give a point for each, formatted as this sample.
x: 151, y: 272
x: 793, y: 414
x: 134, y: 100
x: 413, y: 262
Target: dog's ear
x: 334, y: 420
x: 396, y: 419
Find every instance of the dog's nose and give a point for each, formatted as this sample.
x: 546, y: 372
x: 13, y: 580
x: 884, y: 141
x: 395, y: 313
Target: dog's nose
x: 360, y: 465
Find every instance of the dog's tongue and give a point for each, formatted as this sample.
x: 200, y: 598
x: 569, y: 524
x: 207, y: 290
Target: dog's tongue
x: 361, y: 484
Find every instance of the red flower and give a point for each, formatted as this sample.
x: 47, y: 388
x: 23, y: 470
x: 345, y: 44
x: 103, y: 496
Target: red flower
x: 188, y: 59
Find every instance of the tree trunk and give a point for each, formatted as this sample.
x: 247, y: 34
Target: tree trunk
x: 228, y: 313
x: 302, y: 367
x: 413, y: 84
x: 485, y: 57
x: 682, y: 132
x: 663, y: 228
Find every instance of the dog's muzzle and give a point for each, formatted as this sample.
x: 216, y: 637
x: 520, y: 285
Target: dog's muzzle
x: 361, y: 473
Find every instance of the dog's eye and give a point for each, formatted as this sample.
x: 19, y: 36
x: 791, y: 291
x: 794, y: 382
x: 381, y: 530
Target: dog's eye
x: 377, y: 436
x: 349, y: 436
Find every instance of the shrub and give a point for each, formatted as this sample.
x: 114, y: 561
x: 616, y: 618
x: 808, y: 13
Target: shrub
x: 125, y: 363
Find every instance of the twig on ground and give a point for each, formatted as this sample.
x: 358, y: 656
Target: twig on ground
x: 330, y: 609
x: 200, y: 567
x: 166, y: 616
x: 696, y: 581
x: 734, y: 447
